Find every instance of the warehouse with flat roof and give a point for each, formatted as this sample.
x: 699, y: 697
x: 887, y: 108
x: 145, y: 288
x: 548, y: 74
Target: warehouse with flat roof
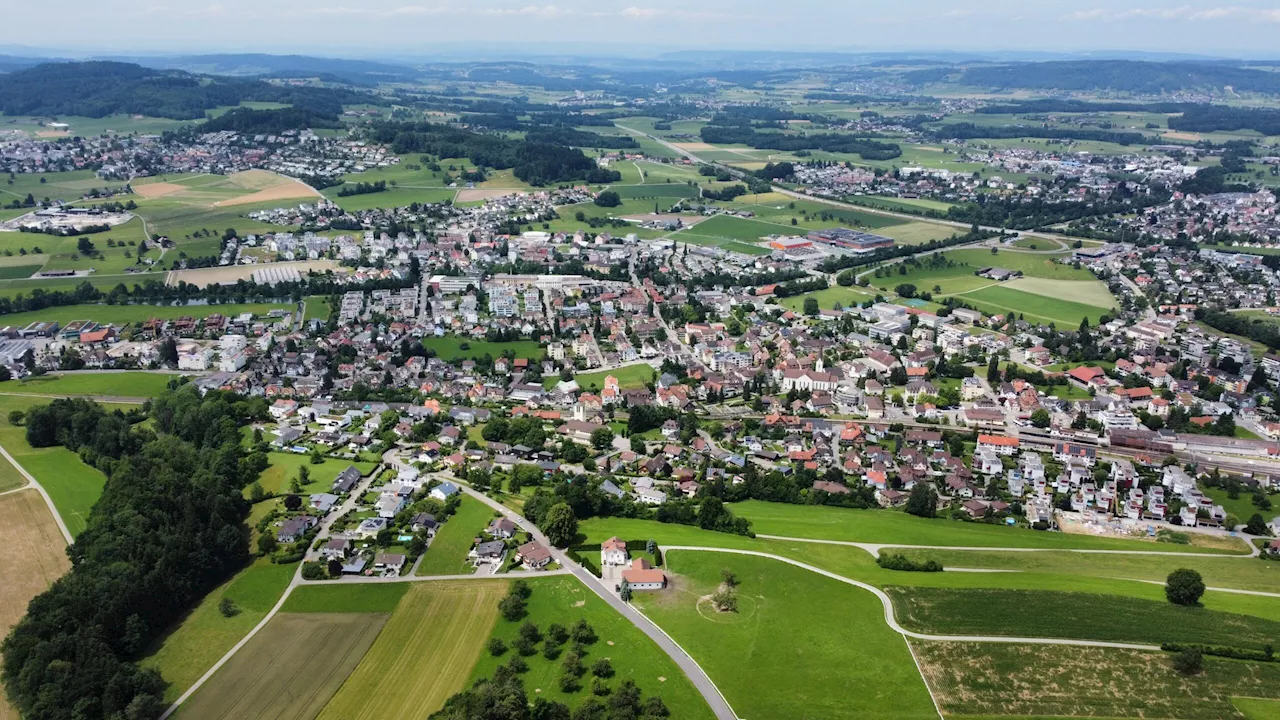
x: 851, y: 240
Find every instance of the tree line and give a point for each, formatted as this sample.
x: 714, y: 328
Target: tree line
x: 167, y: 529
x: 829, y: 142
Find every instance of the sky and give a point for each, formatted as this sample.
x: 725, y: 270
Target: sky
x: 421, y: 28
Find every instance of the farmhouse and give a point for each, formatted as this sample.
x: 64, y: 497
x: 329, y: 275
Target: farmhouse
x: 613, y: 552
x: 643, y: 576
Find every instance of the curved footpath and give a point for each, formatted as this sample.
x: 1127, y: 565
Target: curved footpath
x: 893, y: 622
x: 35, y: 484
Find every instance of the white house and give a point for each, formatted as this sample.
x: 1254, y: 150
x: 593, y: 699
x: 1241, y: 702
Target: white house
x: 613, y: 552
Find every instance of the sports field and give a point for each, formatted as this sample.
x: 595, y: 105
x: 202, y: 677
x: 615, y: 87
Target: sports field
x: 447, y: 553
x: 205, y: 634
x: 450, y: 347
x: 820, y: 647
x: 35, y: 555
x: 634, y: 656
x: 424, y: 654
x: 290, y: 669
x: 999, y: 679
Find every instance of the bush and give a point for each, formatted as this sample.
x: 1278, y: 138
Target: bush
x: 517, y: 664
x: 584, y: 633
x: 602, y: 668
x: 1188, y: 662
x: 314, y: 571
x: 524, y: 646
x: 895, y: 561
x: 496, y: 647
x: 529, y: 631
x: 1184, y: 587
x: 599, y: 687
x: 550, y: 650
x: 569, y: 684
x: 557, y: 634
x: 512, y: 608
x: 520, y: 589
x: 1267, y: 654
x: 228, y: 608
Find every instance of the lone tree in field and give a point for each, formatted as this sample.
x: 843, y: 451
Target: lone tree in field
x: 560, y: 525
x: 923, y: 501
x: 1184, y: 587
x: 1188, y: 662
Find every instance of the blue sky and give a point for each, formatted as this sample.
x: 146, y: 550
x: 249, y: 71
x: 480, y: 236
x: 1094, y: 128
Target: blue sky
x: 389, y: 27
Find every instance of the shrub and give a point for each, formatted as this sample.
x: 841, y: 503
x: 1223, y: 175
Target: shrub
x: 521, y: 589
x: 517, y: 664
x: 529, y: 631
x: 896, y: 561
x: 1188, y: 662
x: 550, y: 651
x: 599, y: 687
x: 584, y: 633
x: 572, y: 664
x: 496, y: 647
x: 1184, y: 587
x: 314, y: 571
x: 228, y: 608
x: 602, y: 668
x: 557, y: 634
x: 569, y: 683
x: 512, y: 608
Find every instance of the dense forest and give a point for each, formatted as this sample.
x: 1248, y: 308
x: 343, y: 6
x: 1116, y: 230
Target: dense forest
x: 580, y: 138
x: 1062, y: 105
x: 970, y: 131
x: 1134, y: 76
x: 1024, y: 215
x: 271, y: 122
x: 532, y: 162
x: 97, y: 89
x: 830, y: 142
x: 168, y: 528
x: 1210, y: 118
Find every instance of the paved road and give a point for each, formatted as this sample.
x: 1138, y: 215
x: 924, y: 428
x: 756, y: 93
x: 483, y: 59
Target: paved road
x: 893, y: 622
x: 719, y: 705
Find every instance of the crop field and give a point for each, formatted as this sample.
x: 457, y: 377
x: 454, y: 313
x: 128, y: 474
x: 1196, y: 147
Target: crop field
x: 1039, y: 613
x: 821, y: 647
x: 668, y: 191
x: 1000, y: 300
x: 450, y: 347
x: 878, y: 526
x: 448, y: 550
x: 205, y: 634
x: 120, y: 315
x: 35, y: 555
x: 827, y: 299
x: 116, y: 384
x: 634, y: 656
x: 424, y: 654
x: 201, y: 277
x: 290, y: 669
x: 993, y: 679
x: 1257, y: 708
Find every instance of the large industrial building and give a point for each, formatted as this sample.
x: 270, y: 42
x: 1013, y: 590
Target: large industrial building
x: 852, y: 240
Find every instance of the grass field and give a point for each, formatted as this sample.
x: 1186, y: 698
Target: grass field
x: 116, y: 384
x: 290, y: 669
x: 318, y: 308
x: 1001, y: 300
x: 1032, y: 613
x: 879, y: 526
x: 73, y: 486
x: 1257, y: 708
x: 348, y: 597
x: 424, y: 654
x: 204, y: 635
x: 1240, y: 573
x: 634, y: 656
x: 284, y: 468
x: 120, y: 315
x: 1002, y: 679
x: 35, y: 555
x: 450, y: 348
x: 10, y: 478
x: 447, y: 553
x: 629, y: 377
x: 820, y: 647
x: 846, y: 296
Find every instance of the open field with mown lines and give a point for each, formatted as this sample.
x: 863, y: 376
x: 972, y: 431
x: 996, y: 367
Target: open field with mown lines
x: 424, y: 654
x: 290, y: 669
x: 634, y: 656
x: 35, y: 555
x: 999, y: 679
x: 1041, y: 613
x: 847, y: 297
x: 449, y: 348
x: 120, y: 315
x: 118, y: 384
x: 205, y: 635
x: 820, y: 647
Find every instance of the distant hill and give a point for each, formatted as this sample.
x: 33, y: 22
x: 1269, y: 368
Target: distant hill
x: 1122, y: 75
x: 359, y: 72
x: 100, y: 88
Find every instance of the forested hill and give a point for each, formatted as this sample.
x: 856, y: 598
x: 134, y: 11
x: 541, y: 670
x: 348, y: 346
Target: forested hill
x: 1122, y: 75
x: 97, y: 89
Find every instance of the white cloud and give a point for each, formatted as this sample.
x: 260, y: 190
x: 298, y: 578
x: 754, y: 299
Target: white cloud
x: 1180, y: 13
